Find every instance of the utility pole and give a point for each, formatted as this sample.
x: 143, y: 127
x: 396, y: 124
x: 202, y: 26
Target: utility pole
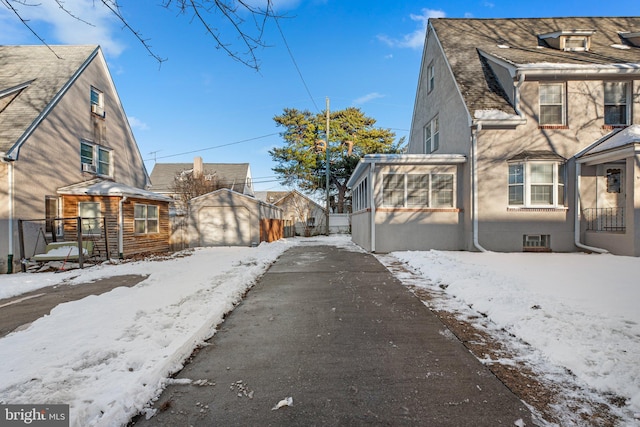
x: 327, y: 172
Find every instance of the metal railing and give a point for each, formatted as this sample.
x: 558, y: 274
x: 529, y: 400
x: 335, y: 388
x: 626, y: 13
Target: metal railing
x: 605, y: 219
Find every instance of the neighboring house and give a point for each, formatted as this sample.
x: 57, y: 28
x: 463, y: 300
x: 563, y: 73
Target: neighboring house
x: 227, y: 218
x: 234, y: 176
x: 61, y: 124
x: 525, y: 137
x: 307, y: 217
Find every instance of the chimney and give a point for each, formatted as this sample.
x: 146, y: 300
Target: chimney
x: 197, y: 167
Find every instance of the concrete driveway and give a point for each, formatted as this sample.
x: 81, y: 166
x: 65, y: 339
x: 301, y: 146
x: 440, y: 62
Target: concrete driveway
x: 334, y: 331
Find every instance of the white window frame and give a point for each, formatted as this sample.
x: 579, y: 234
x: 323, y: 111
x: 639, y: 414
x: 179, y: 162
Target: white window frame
x: 431, y: 77
x: 96, y: 164
x: 141, y: 217
x: 431, y: 193
x: 90, y: 212
x: 432, y: 136
x: 96, y: 99
x: 626, y: 103
x: 562, y: 104
x: 527, y: 184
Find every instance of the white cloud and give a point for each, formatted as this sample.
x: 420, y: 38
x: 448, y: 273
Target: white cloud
x: 367, y: 98
x: 136, y: 123
x: 91, y: 23
x: 415, y: 39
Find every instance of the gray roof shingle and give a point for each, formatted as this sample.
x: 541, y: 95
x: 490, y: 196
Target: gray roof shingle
x: 230, y: 175
x: 516, y: 41
x: 30, y: 79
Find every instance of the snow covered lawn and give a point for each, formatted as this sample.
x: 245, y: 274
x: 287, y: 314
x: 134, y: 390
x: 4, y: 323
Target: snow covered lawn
x: 577, y: 312
x: 108, y: 355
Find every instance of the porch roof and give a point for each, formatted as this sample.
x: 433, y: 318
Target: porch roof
x: 620, y: 141
x: 404, y: 159
x: 103, y: 187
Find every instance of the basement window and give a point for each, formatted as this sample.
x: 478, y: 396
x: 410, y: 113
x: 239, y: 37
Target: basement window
x: 536, y: 243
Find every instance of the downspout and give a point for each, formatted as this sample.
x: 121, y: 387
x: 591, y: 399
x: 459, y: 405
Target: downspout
x: 120, y: 228
x: 10, y: 180
x: 474, y: 185
x: 576, y: 222
x: 372, y: 197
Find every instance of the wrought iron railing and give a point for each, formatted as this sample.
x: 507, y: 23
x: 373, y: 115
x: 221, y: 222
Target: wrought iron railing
x: 604, y: 219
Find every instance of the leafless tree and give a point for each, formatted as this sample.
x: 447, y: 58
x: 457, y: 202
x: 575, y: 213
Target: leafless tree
x: 248, y: 22
x: 187, y: 185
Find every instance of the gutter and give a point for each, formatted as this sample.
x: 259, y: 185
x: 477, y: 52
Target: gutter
x: 576, y: 221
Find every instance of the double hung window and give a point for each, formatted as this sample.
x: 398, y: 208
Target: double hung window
x: 536, y: 184
x: 616, y: 101
x: 145, y: 218
x: 95, y: 158
x: 552, y: 104
x: 431, y: 136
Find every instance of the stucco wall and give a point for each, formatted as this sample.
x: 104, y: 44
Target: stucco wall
x: 50, y: 157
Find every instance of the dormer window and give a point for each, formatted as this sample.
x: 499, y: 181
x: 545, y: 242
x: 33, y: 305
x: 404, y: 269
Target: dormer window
x: 568, y: 40
x: 632, y: 38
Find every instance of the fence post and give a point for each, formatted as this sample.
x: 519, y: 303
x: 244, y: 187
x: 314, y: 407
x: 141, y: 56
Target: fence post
x: 106, y: 236
x: 80, y: 254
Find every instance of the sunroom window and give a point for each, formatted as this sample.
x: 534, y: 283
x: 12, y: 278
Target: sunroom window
x: 418, y: 190
x: 536, y: 184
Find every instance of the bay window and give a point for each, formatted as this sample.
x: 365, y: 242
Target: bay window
x: 536, y: 183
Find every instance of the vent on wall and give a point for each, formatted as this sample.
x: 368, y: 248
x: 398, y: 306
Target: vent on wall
x: 536, y: 243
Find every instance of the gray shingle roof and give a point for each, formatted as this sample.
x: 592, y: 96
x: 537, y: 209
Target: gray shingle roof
x: 516, y: 41
x: 230, y: 175
x: 30, y: 79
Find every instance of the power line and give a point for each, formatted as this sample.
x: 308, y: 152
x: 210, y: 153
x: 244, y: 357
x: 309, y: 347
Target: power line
x: 211, y: 148
x: 294, y: 61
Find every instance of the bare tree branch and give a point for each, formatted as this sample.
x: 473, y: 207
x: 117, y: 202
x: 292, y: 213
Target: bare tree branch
x: 232, y: 12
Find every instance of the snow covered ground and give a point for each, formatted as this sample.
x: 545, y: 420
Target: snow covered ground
x: 108, y: 355
x: 575, y: 312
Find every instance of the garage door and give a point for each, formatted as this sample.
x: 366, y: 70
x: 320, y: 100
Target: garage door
x: 223, y: 226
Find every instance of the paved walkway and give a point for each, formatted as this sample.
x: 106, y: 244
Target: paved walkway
x: 19, y: 311
x: 335, y: 331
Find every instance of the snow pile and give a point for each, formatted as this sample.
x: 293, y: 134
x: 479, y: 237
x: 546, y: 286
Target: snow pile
x: 108, y: 355
x: 577, y: 311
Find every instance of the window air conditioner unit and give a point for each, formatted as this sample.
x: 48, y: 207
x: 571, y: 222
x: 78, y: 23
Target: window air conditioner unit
x: 96, y: 109
x: 86, y: 167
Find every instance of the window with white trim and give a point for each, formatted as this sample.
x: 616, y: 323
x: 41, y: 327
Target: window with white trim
x: 360, y: 196
x: 145, y: 219
x: 431, y: 77
x: 431, y: 136
x: 552, y: 104
x: 97, y: 102
x: 418, y: 190
x: 536, y: 184
x: 95, y: 158
x: 90, y: 214
x: 616, y: 102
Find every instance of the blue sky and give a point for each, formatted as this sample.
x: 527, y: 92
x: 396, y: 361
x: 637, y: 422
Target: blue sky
x: 200, y: 102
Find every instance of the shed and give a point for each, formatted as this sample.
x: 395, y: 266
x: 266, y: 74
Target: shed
x: 227, y: 218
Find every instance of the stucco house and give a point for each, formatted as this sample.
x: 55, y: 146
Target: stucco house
x: 525, y: 136
x: 301, y: 213
x: 66, y: 148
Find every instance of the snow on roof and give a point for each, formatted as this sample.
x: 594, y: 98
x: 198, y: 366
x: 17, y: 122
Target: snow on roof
x: 617, y: 139
x: 101, y: 187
